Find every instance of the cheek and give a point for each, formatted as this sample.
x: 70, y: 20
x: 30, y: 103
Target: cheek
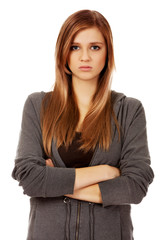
x: 101, y: 61
x: 71, y: 61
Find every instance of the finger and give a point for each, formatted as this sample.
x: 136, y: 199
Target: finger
x: 49, y: 163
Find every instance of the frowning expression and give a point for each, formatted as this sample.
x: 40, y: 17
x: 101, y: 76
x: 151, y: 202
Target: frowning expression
x: 87, y: 54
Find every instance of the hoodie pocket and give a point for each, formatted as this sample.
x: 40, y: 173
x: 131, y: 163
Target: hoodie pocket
x: 107, y: 223
x: 47, y: 219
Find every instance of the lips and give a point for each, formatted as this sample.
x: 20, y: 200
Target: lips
x: 85, y: 68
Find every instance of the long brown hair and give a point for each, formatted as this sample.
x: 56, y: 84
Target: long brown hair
x: 60, y: 113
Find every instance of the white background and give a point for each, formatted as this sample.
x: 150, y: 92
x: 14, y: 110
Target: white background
x: 28, y: 30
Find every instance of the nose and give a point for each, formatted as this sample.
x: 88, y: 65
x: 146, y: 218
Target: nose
x: 85, y: 57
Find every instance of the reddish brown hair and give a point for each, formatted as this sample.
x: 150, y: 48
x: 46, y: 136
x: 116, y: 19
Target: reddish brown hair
x: 60, y: 113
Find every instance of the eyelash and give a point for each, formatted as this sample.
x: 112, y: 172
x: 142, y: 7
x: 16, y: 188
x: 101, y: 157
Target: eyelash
x: 74, y: 48
x: 95, y: 47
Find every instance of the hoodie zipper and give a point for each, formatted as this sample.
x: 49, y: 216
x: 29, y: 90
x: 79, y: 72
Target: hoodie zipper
x: 78, y: 220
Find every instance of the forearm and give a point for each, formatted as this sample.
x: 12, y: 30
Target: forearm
x: 88, y: 176
x: 95, y: 174
x: 90, y: 194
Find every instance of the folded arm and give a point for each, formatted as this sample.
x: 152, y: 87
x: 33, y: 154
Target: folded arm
x: 86, y: 186
x: 136, y: 174
x: 36, y: 177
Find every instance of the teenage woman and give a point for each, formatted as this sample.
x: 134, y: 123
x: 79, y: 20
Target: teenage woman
x: 83, y: 155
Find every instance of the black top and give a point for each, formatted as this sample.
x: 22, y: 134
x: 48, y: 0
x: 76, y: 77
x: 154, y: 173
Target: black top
x: 73, y: 157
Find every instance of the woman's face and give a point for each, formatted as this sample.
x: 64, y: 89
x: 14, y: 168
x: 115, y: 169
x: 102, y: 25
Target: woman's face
x: 87, y: 54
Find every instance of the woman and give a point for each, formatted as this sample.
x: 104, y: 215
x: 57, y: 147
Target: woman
x: 83, y: 155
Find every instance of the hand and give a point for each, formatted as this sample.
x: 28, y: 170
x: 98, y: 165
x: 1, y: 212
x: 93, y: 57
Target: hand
x: 49, y: 163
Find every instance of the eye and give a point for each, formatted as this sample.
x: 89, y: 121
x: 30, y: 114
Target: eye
x: 74, y: 47
x: 95, y: 47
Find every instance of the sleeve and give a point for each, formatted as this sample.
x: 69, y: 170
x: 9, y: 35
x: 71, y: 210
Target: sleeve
x: 37, y: 179
x: 136, y: 173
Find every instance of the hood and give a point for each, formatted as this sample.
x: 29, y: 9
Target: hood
x: 116, y: 96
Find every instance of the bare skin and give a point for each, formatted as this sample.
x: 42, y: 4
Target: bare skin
x: 88, y: 50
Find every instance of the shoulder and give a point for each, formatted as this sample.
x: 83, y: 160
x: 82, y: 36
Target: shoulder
x: 36, y: 96
x: 126, y: 107
x: 124, y: 101
x: 34, y: 101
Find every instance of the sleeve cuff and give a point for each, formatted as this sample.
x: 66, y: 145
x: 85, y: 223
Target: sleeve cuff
x: 60, y: 181
x: 114, y: 192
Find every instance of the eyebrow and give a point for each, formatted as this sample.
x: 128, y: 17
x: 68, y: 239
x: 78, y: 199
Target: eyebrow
x: 90, y: 43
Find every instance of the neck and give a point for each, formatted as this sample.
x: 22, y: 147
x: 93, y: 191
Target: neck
x: 84, y: 91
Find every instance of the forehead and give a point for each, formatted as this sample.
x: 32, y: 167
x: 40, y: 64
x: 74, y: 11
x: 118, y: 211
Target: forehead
x: 89, y: 35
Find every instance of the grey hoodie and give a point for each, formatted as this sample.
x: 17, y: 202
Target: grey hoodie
x: 55, y: 217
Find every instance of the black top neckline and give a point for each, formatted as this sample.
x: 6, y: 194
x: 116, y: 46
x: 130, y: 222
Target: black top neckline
x: 73, y: 157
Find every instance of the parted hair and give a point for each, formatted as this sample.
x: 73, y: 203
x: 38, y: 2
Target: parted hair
x: 59, y: 112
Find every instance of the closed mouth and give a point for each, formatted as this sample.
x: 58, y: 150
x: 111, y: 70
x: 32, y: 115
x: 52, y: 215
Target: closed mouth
x: 85, y: 68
